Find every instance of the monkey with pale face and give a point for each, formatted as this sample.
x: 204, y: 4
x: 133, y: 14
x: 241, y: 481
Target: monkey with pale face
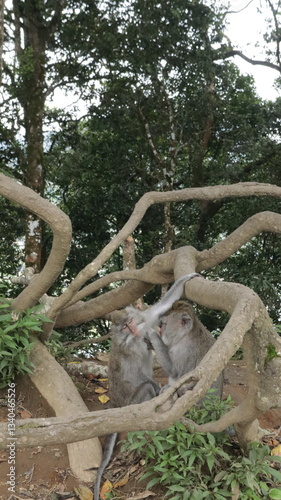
x: 182, y: 343
x: 130, y: 361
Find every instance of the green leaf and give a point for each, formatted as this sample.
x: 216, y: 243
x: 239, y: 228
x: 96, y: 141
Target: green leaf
x: 9, y: 328
x: 210, y: 462
x: 9, y: 342
x: 153, y: 481
x: 275, y: 494
x: 177, y: 488
x: 5, y: 318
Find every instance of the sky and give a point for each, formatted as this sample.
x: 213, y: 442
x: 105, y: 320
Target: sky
x: 244, y: 31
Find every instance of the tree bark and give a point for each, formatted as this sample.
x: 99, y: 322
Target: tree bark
x: 57, y: 387
x: 2, y: 6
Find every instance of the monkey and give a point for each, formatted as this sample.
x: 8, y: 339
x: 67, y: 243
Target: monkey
x: 181, y: 344
x: 130, y: 361
x: 130, y: 380
x: 148, y: 320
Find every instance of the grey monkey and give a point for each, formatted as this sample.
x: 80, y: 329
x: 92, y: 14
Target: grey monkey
x: 181, y: 344
x: 130, y: 361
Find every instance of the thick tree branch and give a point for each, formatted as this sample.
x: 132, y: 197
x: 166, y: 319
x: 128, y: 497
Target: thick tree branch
x: 193, y: 261
x: 151, y: 198
x: 261, y: 222
x: 61, y: 227
x: 248, y: 318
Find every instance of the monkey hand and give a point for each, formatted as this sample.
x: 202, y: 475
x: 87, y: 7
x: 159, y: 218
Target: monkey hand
x: 164, y: 388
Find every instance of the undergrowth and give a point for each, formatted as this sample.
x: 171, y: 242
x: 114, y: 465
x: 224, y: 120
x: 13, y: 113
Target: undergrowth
x: 194, y: 466
x: 16, y: 340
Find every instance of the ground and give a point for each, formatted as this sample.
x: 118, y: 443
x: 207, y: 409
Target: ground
x: 42, y: 472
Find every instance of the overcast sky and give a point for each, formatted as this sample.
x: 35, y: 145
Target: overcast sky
x: 244, y: 31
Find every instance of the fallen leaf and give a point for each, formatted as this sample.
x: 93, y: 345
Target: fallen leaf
x: 272, y: 442
x: 122, y: 481
x: 25, y: 414
x: 276, y: 451
x: 101, y: 390
x: 103, y: 379
x: 133, y: 469
x: 84, y: 493
x: 103, y: 398
x: 106, y: 488
x: 144, y: 494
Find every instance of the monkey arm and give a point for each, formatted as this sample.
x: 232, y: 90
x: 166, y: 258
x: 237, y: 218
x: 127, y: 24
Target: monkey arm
x: 173, y: 294
x: 162, y: 352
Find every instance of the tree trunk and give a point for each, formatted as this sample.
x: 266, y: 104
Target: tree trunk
x: 58, y: 389
x: 31, y: 57
x: 2, y: 5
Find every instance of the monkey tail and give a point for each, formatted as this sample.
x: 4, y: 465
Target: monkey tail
x: 174, y: 293
x: 107, y: 454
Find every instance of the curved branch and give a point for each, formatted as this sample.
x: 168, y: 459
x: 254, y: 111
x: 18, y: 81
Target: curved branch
x: 163, y: 269
x: 263, y: 221
x: 205, y: 193
x: 159, y: 270
x: 248, y: 314
x: 62, y: 231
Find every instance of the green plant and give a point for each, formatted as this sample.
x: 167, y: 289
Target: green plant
x: 194, y: 466
x: 56, y: 347
x: 16, y: 340
x: 211, y: 408
x: 252, y: 476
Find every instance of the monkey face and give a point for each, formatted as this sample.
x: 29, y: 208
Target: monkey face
x: 175, y: 326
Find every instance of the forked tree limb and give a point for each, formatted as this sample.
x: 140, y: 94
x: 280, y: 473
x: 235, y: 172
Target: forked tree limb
x: 125, y: 294
x: 249, y: 326
x: 60, y: 224
x: 205, y: 193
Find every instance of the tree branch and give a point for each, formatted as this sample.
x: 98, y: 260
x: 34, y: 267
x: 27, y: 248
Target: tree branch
x: 232, y: 53
x: 151, y: 198
x: 61, y: 227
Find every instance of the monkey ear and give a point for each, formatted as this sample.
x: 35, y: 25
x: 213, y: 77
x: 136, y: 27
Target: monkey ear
x: 186, y: 320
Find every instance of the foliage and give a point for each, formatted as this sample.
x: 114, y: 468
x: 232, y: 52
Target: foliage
x: 194, y: 466
x: 11, y: 233
x: 16, y: 341
x: 56, y: 347
x: 211, y: 409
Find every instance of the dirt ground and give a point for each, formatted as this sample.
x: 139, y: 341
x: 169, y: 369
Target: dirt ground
x: 42, y: 473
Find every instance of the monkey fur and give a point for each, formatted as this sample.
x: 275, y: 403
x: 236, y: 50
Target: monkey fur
x: 130, y: 362
x: 182, y: 343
